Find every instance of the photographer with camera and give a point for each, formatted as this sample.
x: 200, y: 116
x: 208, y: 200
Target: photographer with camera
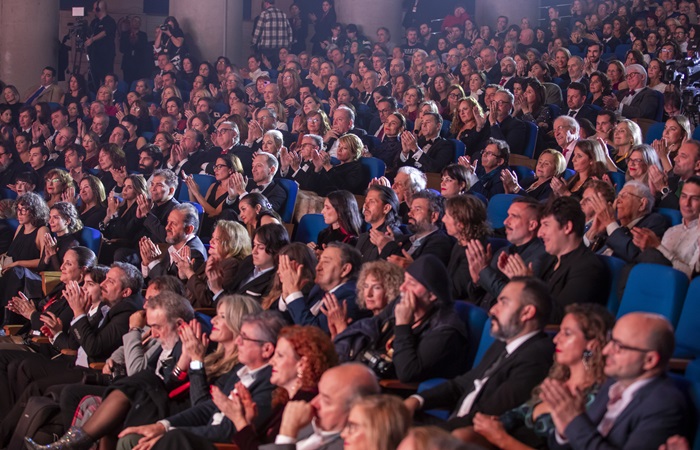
x: 170, y: 39
x: 101, y: 44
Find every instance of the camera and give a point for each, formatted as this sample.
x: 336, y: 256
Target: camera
x: 380, y: 363
x: 164, y: 27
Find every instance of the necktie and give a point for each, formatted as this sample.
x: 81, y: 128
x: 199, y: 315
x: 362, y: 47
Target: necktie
x: 614, y: 396
x: 35, y: 95
x: 503, y: 81
x: 496, y: 364
x: 631, y: 93
x: 572, y: 113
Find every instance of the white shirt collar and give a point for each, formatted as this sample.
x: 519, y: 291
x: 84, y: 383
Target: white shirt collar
x: 517, y: 342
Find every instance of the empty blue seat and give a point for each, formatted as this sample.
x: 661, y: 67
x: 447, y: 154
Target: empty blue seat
x: 654, y: 132
x: 672, y: 215
x: 568, y: 173
x: 309, y: 227
x: 614, y: 266
x: 374, y: 167
x: 497, y: 209
x: 531, y: 140
x: 460, y: 149
x: 292, y: 189
x: 92, y: 239
x: 202, y: 180
x: 688, y: 331
x: 474, y: 318
x: 656, y: 289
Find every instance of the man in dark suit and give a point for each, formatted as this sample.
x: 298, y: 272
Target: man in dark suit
x: 265, y: 120
x: 430, y: 152
x: 228, y: 141
x: 494, y: 159
x: 381, y: 212
x: 638, y: 101
x: 205, y: 421
x: 685, y: 165
x: 343, y: 123
x: 424, y: 222
x: 264, y: 168
x: 639, y: 407
x: 510, y: 368
x: 336, y: 274
x: 505, y: 127
x: 317, y: 425
x: 492, y: 70
x: 634, y: 209
x: 576, y: 101
x: 185, y: 245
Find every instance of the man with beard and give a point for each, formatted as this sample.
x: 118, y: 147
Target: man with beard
x: 181, y: 230
x: 10, y: 165
x: 150, y: 159
x: 513, y: 365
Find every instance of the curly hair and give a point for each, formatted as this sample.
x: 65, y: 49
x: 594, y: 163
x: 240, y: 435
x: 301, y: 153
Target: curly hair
x: 457, y: 123
x: 68, y: 212
x: 390, y: 275
x: 470, y: 213
x: 62, y: 175
x: 37, y: 209
x: 314, y: 344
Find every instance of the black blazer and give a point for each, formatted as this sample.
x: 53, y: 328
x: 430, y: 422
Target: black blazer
x: 257, y: 288
x: 369, y: 251
x: 658, y: 411
x: 620, y: 241
x: 580, y: 278
x: 513, y: 131
x: 440, y: 154
x: 168, y: 267
x: 437, y: 243
x: 587, y: 112
x: 644, y: 105
x: 273, y: 192
x: 154, y: 223
x: 349, y: 177
x: 509, y: 386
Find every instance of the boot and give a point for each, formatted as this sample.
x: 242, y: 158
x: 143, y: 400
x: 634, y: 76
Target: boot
x: 74, y: 439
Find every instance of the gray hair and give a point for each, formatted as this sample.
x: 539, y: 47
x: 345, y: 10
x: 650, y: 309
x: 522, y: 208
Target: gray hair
x: 175, y: 306
x: 318, y: 140
x: 570, y: 123
x: 276, y: 136
x: 191, y: 215
x: 418, y: 178
x: 133, y: 279
x: 168, y: 177
x: 349, y: 112
x: 271, y: 160
x: 269, y: 323
x: 640, y: 69
x: 643, y: 191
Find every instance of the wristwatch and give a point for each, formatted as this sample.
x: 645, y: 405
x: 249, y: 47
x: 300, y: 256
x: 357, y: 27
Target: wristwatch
x: 196, y: 365
x: 665, y: 191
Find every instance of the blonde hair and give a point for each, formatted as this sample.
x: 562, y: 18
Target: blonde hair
x: 390, y: 275
x: 354, y: 143
x: 387, y: 420
x: 236, y: 242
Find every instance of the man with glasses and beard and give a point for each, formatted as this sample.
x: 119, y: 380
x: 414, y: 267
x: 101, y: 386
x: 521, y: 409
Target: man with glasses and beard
x: 512, y: 366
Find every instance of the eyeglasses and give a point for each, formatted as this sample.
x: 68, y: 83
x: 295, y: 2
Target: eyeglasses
x: 492, y: 154
x: 635, y: 161
x: 246, y: 338
x: 626, y: 194
x: 22, y: 210
x: 224, y: 130
x: 453, y: 95
x: 313, y: 120
x: 631, y: 74
x: 617, y: 345
x: 220, y: 166
x: 53, y: 180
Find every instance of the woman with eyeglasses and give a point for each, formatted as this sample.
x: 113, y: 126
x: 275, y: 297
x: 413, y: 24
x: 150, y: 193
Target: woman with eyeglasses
x: 639, y: 161
x: 213, y: 200
x: 57, y: 184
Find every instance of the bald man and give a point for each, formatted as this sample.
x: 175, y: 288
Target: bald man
x: 318, y: 424
x: 639, y: 407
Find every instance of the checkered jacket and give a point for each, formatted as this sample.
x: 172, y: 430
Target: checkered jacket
x: 272, y: 30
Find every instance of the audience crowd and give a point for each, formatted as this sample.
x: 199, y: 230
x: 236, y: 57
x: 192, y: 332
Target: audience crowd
x: 152, y: 293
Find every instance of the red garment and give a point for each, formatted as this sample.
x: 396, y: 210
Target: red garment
x: 452, y: 20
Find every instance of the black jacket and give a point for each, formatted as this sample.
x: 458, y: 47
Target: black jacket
x: 513, y: 131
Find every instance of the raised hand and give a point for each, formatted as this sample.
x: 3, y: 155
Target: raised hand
x: 336, y: 313
x: 143, y: 206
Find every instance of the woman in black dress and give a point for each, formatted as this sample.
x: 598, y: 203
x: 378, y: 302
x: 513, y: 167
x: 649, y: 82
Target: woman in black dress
x: 342, y: 215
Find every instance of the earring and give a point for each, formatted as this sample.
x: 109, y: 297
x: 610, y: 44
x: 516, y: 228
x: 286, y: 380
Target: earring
x: 587, y: 355
x: 300, y: 372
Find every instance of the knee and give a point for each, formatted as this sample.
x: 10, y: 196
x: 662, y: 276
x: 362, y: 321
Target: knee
x: 128, y: 442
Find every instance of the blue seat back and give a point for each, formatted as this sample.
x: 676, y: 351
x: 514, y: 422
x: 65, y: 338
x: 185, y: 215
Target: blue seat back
x: 672, y: 215
x: 7, y: 193
x: 460, y: 149
x: 484, y: 343
x: 497, y: 243
x: 91, y: 238
x: 148, y: 135
x: 497, y: 209
x: 618, y: 179
x: 654, y: 132
x: 696, y: 133
x: 474, y: 318
x: 202, y: 180
x: 429, y: 384
x: 688, y: 331
x: 692, y: 375
x: 568, y: 173
x: 200, y: 213
x: 374, y: 167
x: 621, y: 51
x: 531, y: 140
x: 656, y: 289
x: 614, y: 266
x: 660, y: 105
x: 309, y: 227
x: 523, y: 173
x: 292, y: 189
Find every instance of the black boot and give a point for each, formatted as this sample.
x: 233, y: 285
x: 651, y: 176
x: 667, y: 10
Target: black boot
x: 74, y: 439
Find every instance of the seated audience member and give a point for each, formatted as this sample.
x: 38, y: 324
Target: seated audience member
x: 464, y: 220
x: 336, y: 276
x: 588, y: 162
x: 94, y: 336
x: 639, y: 161
x: 685, y: 165
x: 348, y: 175
x: 305, y: 424
x: 494, y: 159
x: 679, y: 245
x: 343, y: 124
x: 486, y: 268
x: 376, y: 422
x: 639, y: 406
x: 626, y: 136
x: 637, y: 101
x: 503, y: 126
x: 456, y: 180
x: 255, y: 210
x: 56, y: 183
x: 256, y: 346
x: 550, y: 164
x: 572, y: 272
x: 341, y: 214
x: 154, y: 211
x: 39, y: 164
x: 256, y: 272
x: 576, y: 95
x: 676, y: 131
x: 227, y: 139
x: 390, y: 147
x: 298, y: 165
x: 189, y: 156
x: 408, y: 181
x: 124, y: 404
x: 430, y: 152
x: 64, y: 225
x: 427, y: 236
x: 380, y: 211
x: 92, y: 201
x: 302, y: 356
x: 264, y: 167
x: 566, y: 134
x: 417, y: 336
x: 465, y: 126
x: 511, y: 367
x: 578, y: 364
x: 120, y: 226
x: 432, y: 438
x: 613, y: 223
x: 181, y: 230
x: 228, y: 246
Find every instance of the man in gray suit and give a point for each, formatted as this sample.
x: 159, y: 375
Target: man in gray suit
x: 317, y: 425
x: 638, y: 101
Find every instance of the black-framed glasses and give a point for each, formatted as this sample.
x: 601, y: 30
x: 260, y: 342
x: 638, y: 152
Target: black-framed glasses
x: 220, y: 166
x: 246, y: 338
x: 617, y: 345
